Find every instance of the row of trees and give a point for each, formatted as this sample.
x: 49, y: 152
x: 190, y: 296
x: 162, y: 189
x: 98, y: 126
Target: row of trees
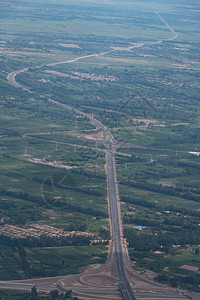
x: 34, y: 295
x: 166, y: 190
x: 46, y: 241
x: 193, y: 279
x: 146, y: 242
x: 159, y: 207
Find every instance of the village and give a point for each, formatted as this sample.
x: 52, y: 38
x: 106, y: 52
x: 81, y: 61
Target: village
x: 37, y: 230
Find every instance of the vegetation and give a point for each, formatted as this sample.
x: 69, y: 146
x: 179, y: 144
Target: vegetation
x: 145, y: 89
x: 33, y: 295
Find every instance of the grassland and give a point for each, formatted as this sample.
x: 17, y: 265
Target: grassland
x: 65, y: 260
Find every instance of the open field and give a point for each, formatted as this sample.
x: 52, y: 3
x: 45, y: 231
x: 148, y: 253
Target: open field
x: 64, y: 260
x: 171, y: 265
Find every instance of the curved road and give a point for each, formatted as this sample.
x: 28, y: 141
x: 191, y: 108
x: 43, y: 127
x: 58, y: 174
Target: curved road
x: 117, y: 251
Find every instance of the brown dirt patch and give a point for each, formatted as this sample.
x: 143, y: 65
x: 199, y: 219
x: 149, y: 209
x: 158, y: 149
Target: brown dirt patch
x: 90, y: 268
x: 130, y: 213
x: 53, y: 125
x: 190, y: 268
x: 69, y: 45
x: 148, y: 259
x: 99, y: 280
x: 166, y: 183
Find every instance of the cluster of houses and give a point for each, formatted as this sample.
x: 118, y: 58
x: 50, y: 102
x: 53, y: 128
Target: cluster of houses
x: 36, y: 230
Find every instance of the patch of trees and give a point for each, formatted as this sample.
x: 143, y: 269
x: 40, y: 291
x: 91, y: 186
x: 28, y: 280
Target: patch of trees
x: 21, y: 195
x: 76, y: 226
x: 35, y: 295
x: 41, y: 271
x: 166, y: 190
x: 139, y: 201
x: 45, y: 241
x: 143, y: 241
x: 161, y: 208
x: 9, y: 132
x: 86, y: 211
x: 39, y: 201
x: 104, y: 233
x: 23, y: 258
x: 193, y: 279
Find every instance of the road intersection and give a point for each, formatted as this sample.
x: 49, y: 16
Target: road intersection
x: 117, y: 270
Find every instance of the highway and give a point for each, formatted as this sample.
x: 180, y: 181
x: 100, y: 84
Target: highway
x: 117, y: 252
x: 11, y: 79
x: 108, y: 293
x: 124, y: 284
x: 115, y: 215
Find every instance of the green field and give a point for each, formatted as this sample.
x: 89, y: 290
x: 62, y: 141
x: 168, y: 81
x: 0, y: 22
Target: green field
x: 177, y: 267
x: 64, y: 260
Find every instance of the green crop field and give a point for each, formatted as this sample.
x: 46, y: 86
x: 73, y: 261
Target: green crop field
x: 65, y: 260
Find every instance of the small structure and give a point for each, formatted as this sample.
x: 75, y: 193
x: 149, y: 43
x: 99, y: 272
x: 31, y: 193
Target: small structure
x: 139, y: 227
x: 36, y: 159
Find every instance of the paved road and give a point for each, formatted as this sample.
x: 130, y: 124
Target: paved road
x: 11, y: 79
x: 105, y: 292
x: 117, y: 252
x: 115, y: 221
x: 23, y: 286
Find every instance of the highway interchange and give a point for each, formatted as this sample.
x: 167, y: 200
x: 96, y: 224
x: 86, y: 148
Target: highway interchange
x: 118, y: 246
x: 117, y: 252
